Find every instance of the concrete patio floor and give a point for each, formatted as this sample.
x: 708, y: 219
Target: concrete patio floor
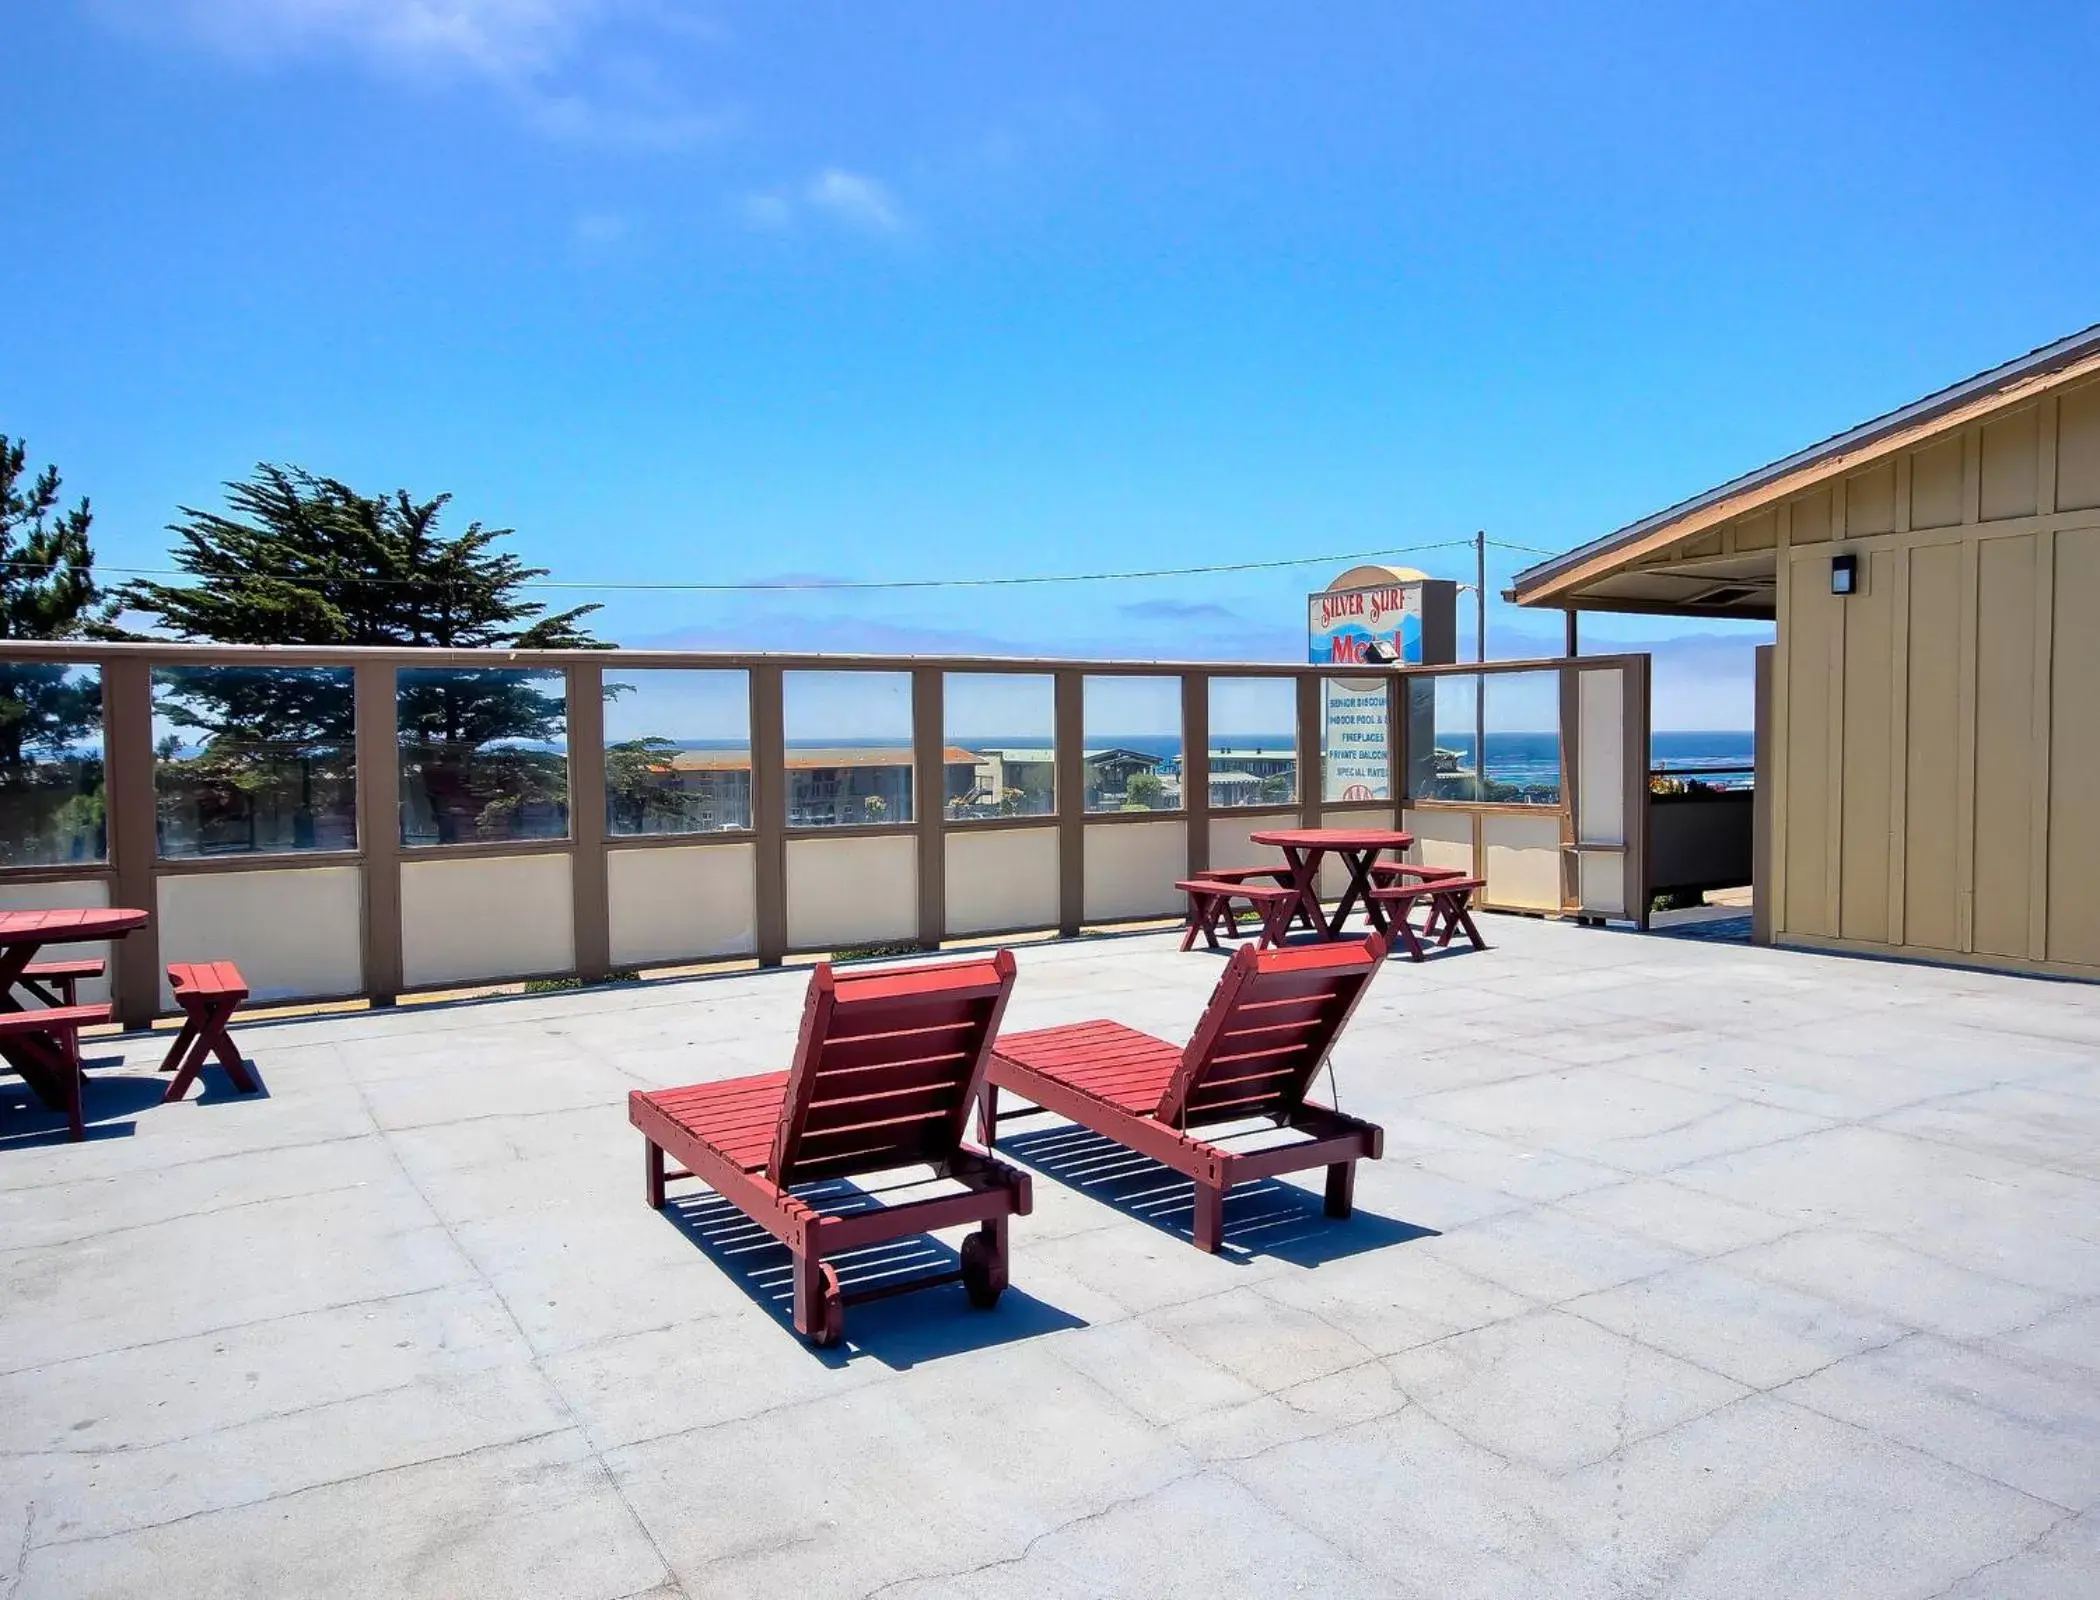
x: 1691, y: 1269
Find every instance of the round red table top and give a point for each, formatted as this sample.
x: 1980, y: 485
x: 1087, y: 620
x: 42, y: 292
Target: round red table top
x: 1334, y: 838
x: 68, y: 927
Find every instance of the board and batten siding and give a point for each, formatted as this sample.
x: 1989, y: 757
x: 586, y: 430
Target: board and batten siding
x: 1938, y: 733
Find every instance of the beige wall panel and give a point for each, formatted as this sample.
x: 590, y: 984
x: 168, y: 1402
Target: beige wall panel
x: 1811, y: 518
x: 486, y: 917
x: 1935, y: 485
x: 1442, y: 838
x: 295, y: 935
x: 1600, y: 746
x: 1523, y: 860
x: 852, y: 891
x: 671, y: 904
x: 1870, y: 501
x: 2004, y: 742
x: 1131, y: 869
x: 2078, y: 449
x: 1602, y: 883
x: 1002, y: 879
x: 1931, y: 897
x: 1229, y: 844
x: 1863, y: 892
x: 1813, y: 614
x: 73, y: 894
x: 1699, y: 549
x: 2074, y: 753
x: 2010, y: 456
x: 1759, y: 532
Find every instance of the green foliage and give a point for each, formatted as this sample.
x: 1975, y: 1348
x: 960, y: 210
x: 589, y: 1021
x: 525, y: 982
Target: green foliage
x: 875, y: 808
x: 47, y: 591
x: 1146, y: 791
x: 300, y: 559
x: 643, y: 794
x: 51, y: 804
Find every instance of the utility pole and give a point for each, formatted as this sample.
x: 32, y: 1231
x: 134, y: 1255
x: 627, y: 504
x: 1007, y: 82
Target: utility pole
x: 1480, y: 683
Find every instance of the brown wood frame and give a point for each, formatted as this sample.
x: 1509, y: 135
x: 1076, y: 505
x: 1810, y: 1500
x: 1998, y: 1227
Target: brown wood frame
x: 133, y: 870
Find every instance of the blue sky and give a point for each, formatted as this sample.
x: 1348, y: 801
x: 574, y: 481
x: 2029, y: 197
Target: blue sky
x: 717, y: 292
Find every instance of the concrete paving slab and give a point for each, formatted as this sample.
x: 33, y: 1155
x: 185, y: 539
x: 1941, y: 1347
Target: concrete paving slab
x: 534, y: 1518
x: 1753, y: 1332
x: 1553, y: 1391
x: 2031, y: 1430
x: 405, y: 1324
x: 1763, y: 1499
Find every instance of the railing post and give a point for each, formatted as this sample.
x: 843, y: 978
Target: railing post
x: 588, y: 889
x: 1570, y: 702
x: 1396, y: 747
x: 127, y: 731
x: 929, y: 800
x: 1195, y: 766
x: 1312, y: 781
x: 379, y: 825
x: 1070, y: 746
x: 1636, y: 737
x: 769, y: 810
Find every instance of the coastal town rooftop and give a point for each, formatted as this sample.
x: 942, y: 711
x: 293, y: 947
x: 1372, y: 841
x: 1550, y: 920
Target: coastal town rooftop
x: 1690, y: 1268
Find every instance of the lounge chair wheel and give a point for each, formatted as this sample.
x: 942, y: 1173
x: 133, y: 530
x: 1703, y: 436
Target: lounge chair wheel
x: 832, y: 1328
x: 983, y: 1270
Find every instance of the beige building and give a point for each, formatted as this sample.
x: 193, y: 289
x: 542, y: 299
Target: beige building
x: 1929, y: 742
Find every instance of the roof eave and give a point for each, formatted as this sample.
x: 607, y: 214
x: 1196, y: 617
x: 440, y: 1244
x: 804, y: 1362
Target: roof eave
x: 2078, y: 355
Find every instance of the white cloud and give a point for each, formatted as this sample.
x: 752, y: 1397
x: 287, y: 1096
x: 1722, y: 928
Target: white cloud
x: 843, y: 199
x: 855, y: 201
x: 577, y: 69
x: 499, y: 37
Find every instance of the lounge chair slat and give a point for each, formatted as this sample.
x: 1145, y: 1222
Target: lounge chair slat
x: 1269, y: 1026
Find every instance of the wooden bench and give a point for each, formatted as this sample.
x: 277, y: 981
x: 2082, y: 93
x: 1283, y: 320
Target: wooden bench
x: 57, y: 984
x: 43, y: 1046
x: 1447, y: 893
x: 208, y: 992
x: 1273, y: 903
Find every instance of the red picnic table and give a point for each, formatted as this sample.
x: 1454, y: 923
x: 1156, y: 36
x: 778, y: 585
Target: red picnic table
x: 1359, y: 848
x: 48, y: 1059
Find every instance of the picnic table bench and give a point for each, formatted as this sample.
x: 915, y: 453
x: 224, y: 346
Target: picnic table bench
x: 1268, y: 891
x: 1447, y: 893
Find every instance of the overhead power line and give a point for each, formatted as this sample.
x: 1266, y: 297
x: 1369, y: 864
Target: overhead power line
x: 816, y: 585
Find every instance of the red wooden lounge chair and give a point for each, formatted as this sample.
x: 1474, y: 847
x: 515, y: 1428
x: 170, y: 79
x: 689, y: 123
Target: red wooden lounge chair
x: 885, y: 1074
x: 1269, y: 1026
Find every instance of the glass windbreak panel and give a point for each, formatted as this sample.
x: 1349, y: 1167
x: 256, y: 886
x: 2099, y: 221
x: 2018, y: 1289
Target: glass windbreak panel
x: 1442, y: 737
x: 1521, y: 711
x: 254, y: 760
x: 849, y: 751
x: 484, y: 754
x: 1356, y: 740
x: 52, y: 798
x: 1253, y: 742
x: 1523, y: 738
x: 1001, y: 756
x: 677, y: 751
x: 1133, y: 744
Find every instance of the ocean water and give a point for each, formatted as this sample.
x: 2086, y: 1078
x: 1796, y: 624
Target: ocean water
x: 1521, y: 758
